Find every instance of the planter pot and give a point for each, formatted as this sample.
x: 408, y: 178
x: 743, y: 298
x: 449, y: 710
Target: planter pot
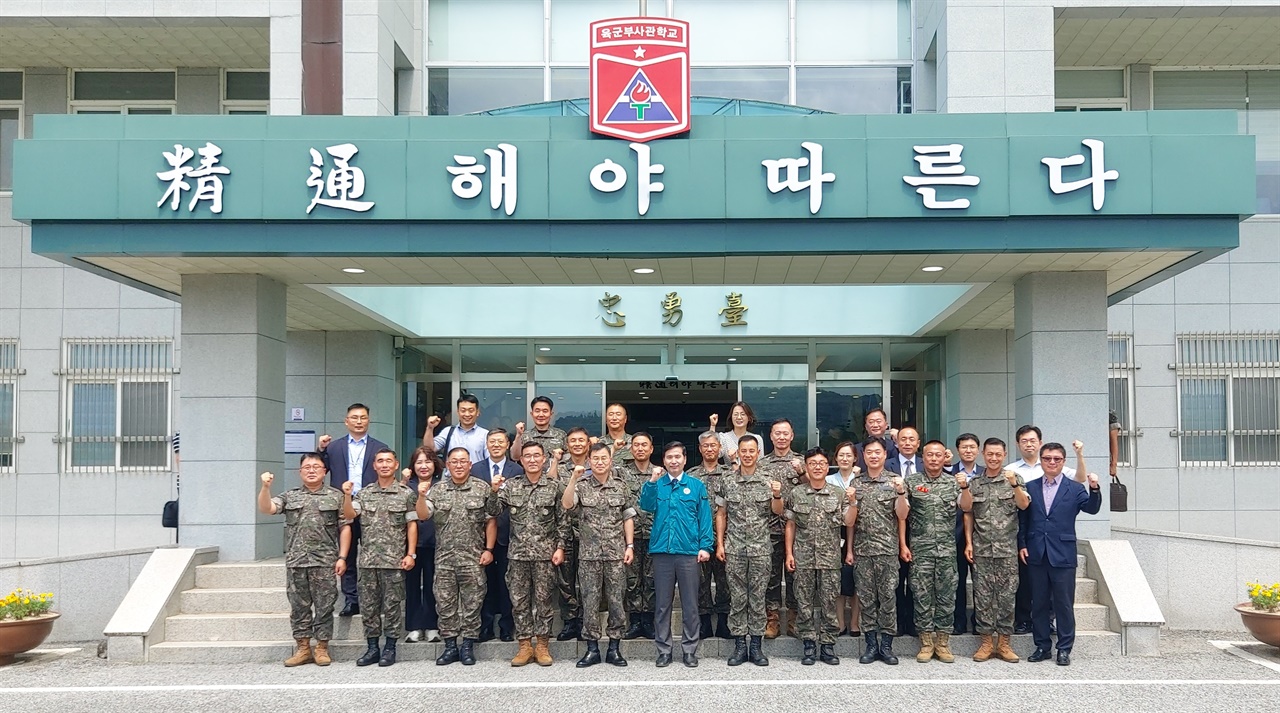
x: 23, y: 635
x: 1265, y: 626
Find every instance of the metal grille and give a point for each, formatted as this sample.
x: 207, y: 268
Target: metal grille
x: 1229, y: 399
x: 1120, y: 373
x: 117, y: 404
x: 8, y: 404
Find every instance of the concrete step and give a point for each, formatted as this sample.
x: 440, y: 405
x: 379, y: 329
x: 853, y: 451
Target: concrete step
x: 238, y: 626
x: 1089, y: 644
x: 230, y: 575
x: 1086, y: 591
x: 260, y: 600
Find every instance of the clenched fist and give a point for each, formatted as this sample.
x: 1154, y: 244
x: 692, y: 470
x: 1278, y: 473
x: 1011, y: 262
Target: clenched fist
x: 498, y: 480
x: 556, y: 455
x: 1078, y: 446
x: 1093, y: 481
x: 961, y: 479
x: 519, y: 429
x: 267, y: 477
x: 423, y: 487
x: 1011, y: 478
x: 405, y: 475
x: 432, y: 422
x: 776, y: 487
x: 898, y: 482
x: 715, y: 420
x: 324, y: 442
x: 657, y: 473
x: 347, y: 487
x: 578, y: 471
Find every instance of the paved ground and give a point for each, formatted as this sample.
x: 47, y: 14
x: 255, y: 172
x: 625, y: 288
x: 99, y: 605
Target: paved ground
x: 1192, y: 674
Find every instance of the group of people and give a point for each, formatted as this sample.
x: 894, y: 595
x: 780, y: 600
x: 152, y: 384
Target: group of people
x: 543, y: 521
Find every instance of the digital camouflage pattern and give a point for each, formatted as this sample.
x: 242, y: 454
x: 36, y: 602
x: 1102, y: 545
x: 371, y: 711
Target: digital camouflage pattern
x: 535, y: 514
x: 877, y: 578
x: 746, y: 500
x: 602, y: 581
x: 461, y: 514
x: 713, y: 590
x: 995, y: 516
x: 931, y: 525
x: 640, y: 594
x: 567, y: 572
x: 460, y: 591
x: 381, y: 592
x: 748, y: 577
x: 816, y: 591
x: 601, y: 509
x: 621, y: 455
x: 312, y: 524
x: 818, y: 515
x: 876, y: 529
x: 311, y: 589
x: 532, y: 585
x: 781, y: 469
x: 385, y: 514
x: 995, y: 589
x: 550, y: 440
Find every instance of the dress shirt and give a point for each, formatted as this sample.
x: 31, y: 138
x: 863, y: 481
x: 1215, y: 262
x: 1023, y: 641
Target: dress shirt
x: 1049, y: 487
x: 1032, y: 471
x: 355, y: 460
x: 473, y: 439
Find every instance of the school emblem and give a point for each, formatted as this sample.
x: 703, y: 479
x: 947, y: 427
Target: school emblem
x: 640, y: 78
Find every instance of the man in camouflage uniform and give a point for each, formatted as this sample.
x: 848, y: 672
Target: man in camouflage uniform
x: 746, y: 502
x: 552, y: 439
x: 817, y: 513
x: 615, y: 434
x: 315, y: 552
x: 640, y: 572
x: 577, y: 441
x: 533, y: 501
x: 881, y: 501
x: 991, y: 506
x: 933, y: 496
x: 389, y: 511
x: 710, y: 601
x: 605, y: 510
x: 464, y: 510
x: 785, y: 466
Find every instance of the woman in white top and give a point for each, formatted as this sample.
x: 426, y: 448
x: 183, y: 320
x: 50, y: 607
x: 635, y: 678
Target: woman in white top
x: 846, y: 471
x: 742, y: 418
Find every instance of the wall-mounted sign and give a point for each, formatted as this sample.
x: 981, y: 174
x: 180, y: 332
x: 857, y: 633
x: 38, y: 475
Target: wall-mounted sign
x: 640, y: 78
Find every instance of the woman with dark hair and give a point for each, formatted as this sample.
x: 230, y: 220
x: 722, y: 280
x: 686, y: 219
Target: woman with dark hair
x: 846, y: 455
x: 420, y: 620
x: 741, y: 419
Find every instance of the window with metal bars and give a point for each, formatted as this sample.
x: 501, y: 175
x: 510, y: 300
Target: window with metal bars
x: 117, y: 404
x: 1120, y: 373
x: 8, y: 405
x: 1229, y: 399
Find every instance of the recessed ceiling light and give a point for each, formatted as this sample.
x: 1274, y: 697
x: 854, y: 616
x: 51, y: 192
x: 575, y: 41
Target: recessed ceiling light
x: 686, y: 393
x: 932, y: 268
x: 353, y: 270
x: 544, y: 349
x: 508, y: 393
x: 643, y: 271
x: 582, y: 359
x: 632, y: 359
x: 552, y: 393
x: 733, y: 358
x: 646, y: 398
x: 737, y: 349
x: 640, y: 392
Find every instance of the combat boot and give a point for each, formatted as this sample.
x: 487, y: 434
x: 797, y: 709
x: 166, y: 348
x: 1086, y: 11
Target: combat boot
x: 827, y: 654
x: 791, y: 623
x: 886, y: 650
x: 647, y: 628
x: 755, y: 652
x: 704, y: 627
x: 873, y: 648
x: 388, y: 653
x: 739, y: 656
x: 572, y: 630
x: 542, y: 651
x: 942, y: 647
x: 636, y: 629
x: 371, y: 654
x: 467, y: 652
x: 926, y: 647
x: 809, y: 657
x: 524, y: 654
x: 1004, y: 651
x: 322, y: 653
x: 771, y: 625
x: 984, y: 649
x: 614, y: 654
x: 592, y: 657
x: 450, y: 653
x: 301, y: 653
x: 722, y: 626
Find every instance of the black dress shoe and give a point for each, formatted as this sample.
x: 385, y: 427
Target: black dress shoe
x: 1039, y: 655
x: 507, y: 636
x: 572, y: 630
x: 1064, y: 657
x: 1023, y: 628
x: 351, y: 609
x: 958, y: 632
x: 722, y: 627
x: 486, y: 633
x: 691, y: 660
x: 663, y: 661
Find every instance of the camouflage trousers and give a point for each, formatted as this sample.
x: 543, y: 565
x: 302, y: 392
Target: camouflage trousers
x: 748, y: 582
x: 381, y: 601
x: 532, y: 585
x: 778, y: 574
x: 308, y: 589
x: 567, y: 581
x: 717, y: 601
x: 460, y: 595
x: 995, y: 588
x: 602, y: 582
x: 933, y: 587
x: 816, y: 591
x: 877, y: 578
x: 640, y: 579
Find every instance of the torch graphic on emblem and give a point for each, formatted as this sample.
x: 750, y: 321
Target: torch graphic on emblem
x: 640, y: 95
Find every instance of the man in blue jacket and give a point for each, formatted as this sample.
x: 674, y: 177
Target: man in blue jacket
x: 681, y: 538
x: 1047, y: 545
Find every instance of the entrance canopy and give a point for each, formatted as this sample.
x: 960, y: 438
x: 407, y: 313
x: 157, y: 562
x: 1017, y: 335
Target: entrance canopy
x: 348, y: 212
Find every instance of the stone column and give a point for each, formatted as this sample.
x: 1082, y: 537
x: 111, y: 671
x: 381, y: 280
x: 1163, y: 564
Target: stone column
x: 1060, y: 369
x: 993, y: 57
x: 979, y: 384
x: 233, y: 348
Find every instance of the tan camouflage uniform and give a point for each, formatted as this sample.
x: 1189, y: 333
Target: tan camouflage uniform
x: 312, y: 524
x: 819, y: 523
x: 461, y: 514
x: 535, y: 535
x: 747, y: 502
x: 995, y: 553
x: 875, y: 551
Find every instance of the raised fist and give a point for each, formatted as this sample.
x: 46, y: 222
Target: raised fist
x: 898, y: 482
x: 1077, y: 445
x: 324, y: 442
x: 498, y: 480
x: 715, y: 420
x: 1093, y: 481
x: 797, y: 465
x: 852, y: 495
x: 346, y: 487
x: 406, y: 474
x: 1011, y: 478
x: 776, y: 487
x: 267, y: 477
x: 961, y: 479
x: 949, y: 455
x: 856, y: 470
x: 423, y: 487
x: 556, y: 455
x: 519, y: 428
x: 578, y: 471
x: 657, y: 473
x: 432, y: 422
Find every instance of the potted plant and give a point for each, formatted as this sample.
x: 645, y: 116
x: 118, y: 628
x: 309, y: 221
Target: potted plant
x: 1261, y: 614
x: 25, y: 620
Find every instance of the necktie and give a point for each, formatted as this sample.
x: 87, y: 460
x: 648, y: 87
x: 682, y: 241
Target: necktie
x: 908, y: 467
x: 495, y: 468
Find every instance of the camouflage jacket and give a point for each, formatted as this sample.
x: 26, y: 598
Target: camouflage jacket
x: 568, y: 518
x: 818, y: 516
x: 710, y: 478
x: 636, y: 478
x: 747, y: 501
x: 620, y: 455
x: 385, y: 514
x: 931, y: 526
x: 876, y: 529
x: 312, y: 522
x: 995, y: 516
x: 461, y: 513
x: 535, y: 517
x: 550, y: 439
x: 602, y: 508
x: 780, y: 469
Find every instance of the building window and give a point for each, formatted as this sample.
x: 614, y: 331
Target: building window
x: 245, y: 92
x: 10, y: 124
x: 1120, y: 372
x: 1229, y: 399
x: 8, y: 404
x: 123, y: 92
x: 118, y: 399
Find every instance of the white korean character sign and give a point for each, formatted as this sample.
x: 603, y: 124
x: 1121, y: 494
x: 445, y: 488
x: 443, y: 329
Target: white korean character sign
x: 640, y: 78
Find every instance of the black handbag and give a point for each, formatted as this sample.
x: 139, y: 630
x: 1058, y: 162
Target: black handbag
x: 169, y: 516
x: 1119, y: 495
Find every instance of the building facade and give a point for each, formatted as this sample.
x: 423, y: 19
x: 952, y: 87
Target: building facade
x: 100, y: 367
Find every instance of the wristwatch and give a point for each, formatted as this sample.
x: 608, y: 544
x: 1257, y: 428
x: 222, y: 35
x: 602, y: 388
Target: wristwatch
x: 413, y: 555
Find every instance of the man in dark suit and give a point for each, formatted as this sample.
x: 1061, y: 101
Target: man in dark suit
x: 351, y: 459
x: 497, y: 602
x: 877, y: 425
x: 907, y: 463
x: 1047, y: 544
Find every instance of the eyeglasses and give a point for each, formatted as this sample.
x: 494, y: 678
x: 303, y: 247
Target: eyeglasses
x: 1052, y: 459
x: 311, y: 467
